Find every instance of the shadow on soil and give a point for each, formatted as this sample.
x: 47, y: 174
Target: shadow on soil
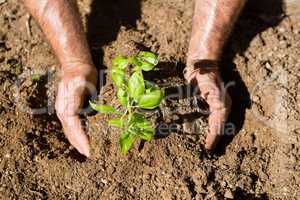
x: 241, y: 195
x: 258, y: 15
x: 105, y: 20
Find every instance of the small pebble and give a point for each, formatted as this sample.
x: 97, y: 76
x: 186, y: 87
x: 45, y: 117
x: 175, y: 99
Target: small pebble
x: 228, y: 194
x: 131, y: 190
x: 268, y: 66
x: 175, y: 117
x: 255, y: 98
x: 281, y: 30
x: 104, y: 181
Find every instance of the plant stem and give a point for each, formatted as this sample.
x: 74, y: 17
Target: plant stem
x: 129, y: 113
x: 124, y: 114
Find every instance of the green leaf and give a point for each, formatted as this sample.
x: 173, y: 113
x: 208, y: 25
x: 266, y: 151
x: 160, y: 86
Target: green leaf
x: 150, y: 86
x: 151, y: 100
x: 126, y: 141
x: 142, y: 127
x: 148, y: 59
x: 118, y: 76
x: 146, y: 135
x: 117, y: 122
x: 136, y: 85
x: 105, y: 109
x: 120, y: 62
x: 145, y: 126
x: 136, y: 118
x: 147, y: 66
x: 122, y: 96
x: 136, y: 62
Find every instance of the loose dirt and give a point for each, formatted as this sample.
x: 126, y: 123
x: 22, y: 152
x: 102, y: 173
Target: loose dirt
x: 261, y: 61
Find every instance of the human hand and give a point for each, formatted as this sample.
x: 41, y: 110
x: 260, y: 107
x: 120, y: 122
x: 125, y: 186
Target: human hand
x: 213, y: 92
x: 61, y: 24
x: 76, y: 81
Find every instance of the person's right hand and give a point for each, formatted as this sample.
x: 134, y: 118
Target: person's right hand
x: 212, y: 90
x: 76, y: 81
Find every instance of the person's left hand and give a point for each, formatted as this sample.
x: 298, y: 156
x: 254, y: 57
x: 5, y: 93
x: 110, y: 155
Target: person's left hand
x: 76, y: 81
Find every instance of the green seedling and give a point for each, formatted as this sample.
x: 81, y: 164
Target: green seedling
x: 133, y: 93
x: 36, y: 77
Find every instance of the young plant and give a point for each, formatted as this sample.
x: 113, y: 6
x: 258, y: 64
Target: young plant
x: 133, y: 93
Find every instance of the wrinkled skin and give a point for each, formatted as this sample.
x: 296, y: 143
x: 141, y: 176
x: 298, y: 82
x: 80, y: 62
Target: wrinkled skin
x: 72, y: 88
x: 212, y: 23
x: 213, y: 92
x: 62, y: 27
x: 60, y: 21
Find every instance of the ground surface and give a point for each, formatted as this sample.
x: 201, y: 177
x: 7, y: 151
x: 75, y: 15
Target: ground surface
x: 260, y: 162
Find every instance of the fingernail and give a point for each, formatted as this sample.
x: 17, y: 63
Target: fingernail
x: 87, y: 152
x: 84, y: 151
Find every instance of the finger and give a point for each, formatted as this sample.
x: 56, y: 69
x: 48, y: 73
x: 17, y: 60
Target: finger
x: 216, y: 125
x: 216, y: 120
x: 74, y: 132
x: 68, y: 102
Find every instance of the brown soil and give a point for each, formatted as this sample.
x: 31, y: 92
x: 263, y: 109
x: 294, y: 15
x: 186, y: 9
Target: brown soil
x: 261, y: 161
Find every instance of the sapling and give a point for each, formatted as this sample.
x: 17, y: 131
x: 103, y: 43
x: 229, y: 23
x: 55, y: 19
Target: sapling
x: 133, y: 93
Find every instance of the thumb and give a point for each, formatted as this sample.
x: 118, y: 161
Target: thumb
x: 219, y: 109
x: 74, y: 132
